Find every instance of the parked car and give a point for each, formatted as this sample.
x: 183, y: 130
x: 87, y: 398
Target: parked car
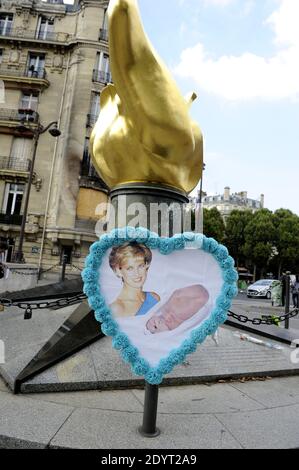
x: 261, y: 288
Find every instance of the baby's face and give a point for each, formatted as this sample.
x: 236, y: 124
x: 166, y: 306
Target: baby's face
x: 156, y: 324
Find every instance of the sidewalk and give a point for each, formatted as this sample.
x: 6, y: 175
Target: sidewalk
x: 233, y: 415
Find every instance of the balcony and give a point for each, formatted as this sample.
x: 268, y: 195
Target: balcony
x: 10, y: 219
x: 101, y: 77
x: 103, y: 35
x: 89, y: 178
x: 11, y: 163
x: 25, y: 35
x: 14, y: 167
x: 25, y: 76
x: 10, y: 119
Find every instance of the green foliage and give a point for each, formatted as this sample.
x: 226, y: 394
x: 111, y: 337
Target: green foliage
x: 213, y: 225
x: 236, y: 224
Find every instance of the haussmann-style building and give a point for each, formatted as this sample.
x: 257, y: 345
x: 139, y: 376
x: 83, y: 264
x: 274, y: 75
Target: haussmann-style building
x: 54, y: 62
x: 227, y: 202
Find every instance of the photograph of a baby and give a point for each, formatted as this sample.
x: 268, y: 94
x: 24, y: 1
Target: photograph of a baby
x: 131, y: 263
x: 182, y: 305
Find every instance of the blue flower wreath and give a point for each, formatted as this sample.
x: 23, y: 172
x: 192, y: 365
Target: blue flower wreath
x: 90, y: 276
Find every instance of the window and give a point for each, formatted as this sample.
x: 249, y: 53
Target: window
x: 66, y: 251
x: 13, y: 198
x: 95, y: 107
x: 5, y: 23
x: 104, y: 28
x: 21, y: 152
x: 29, y: 101
x: 102, y: 70
x: 1, y: 55
x: 45, y: 28
x: 36, y: 65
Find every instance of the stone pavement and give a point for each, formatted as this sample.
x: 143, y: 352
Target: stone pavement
x: 231, y: 415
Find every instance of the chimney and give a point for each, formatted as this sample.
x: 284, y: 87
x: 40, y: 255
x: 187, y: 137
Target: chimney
x: 262, y: 201
x: 226, y: 193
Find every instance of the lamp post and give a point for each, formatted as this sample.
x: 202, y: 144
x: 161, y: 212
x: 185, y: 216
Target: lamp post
x: 200, y: 188
x: 55, y: 132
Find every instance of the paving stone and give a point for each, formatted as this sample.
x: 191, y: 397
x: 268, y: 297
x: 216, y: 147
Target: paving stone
x: 115, y: 400
x: 25, y: 422
x: 92, y: 429
x: 3, y: 386
x: 275, y: 428
x: 75, y: 372
x: 275, y: 392
x: 195, y: 399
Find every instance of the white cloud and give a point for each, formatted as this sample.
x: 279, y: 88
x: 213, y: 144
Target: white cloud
x: 250, y: 76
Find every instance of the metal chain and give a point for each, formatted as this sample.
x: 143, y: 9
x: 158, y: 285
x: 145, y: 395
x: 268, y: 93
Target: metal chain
x: 13, y: 271
x: 29, y: 306
x: 270, y: 320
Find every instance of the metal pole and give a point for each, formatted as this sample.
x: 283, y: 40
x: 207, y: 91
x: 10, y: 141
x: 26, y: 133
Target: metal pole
x: 64, y: 260
x: 19, y: 257
x: 287, y: 300
x: 148, y: 428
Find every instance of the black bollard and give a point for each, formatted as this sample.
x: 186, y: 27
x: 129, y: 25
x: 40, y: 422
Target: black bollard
x: 148, y: 428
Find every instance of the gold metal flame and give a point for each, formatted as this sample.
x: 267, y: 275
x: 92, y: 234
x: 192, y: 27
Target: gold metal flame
x: 144, y: 132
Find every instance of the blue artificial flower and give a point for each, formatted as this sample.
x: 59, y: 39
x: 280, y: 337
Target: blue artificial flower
x: 109, y: 328
x: 179, y: 242
x: 130, y: 354
x: 221, y: 253
x: 153, y: 377
x: 189, y: 236
x: 210, y: 245
x: 166, y: 246
x: 141, y: 367
x: 230, y: 275
x: 120, y: 341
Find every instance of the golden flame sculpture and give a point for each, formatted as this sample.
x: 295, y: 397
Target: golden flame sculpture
x: 144, y: 132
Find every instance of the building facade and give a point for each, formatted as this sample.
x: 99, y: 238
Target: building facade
x: 227, y: 202
x: 54, y: 62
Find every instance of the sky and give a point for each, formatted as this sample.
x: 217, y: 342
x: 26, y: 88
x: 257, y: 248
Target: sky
x: 241, y: 57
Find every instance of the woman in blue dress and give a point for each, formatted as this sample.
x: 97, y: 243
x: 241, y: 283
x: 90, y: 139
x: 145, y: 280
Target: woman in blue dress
x: 131, y: 263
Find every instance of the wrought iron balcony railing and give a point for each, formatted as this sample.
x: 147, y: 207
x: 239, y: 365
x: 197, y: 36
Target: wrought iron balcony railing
x: 10, y: 219
x: 103, y: 34
x: 21, y: 33
x: 101, y: 77
x: 13, y: 163
x: 27, y: 72
x: 28, y: 115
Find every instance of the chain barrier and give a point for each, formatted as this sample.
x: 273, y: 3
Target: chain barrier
x: 29, y: 306
x: 43, y: 271
x: 270, y: 320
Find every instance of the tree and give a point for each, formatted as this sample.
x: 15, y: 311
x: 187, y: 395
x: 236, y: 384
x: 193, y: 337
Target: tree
x: 259, y: 240
x: 236, y: 224
x: 286, y: 241
x: 213, y: 225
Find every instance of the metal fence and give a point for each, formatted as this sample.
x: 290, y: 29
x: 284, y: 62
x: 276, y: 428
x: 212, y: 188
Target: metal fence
x: 21, y: 33
x: 11, y: 163
x: 25, y: 72
x: 17, y: 115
